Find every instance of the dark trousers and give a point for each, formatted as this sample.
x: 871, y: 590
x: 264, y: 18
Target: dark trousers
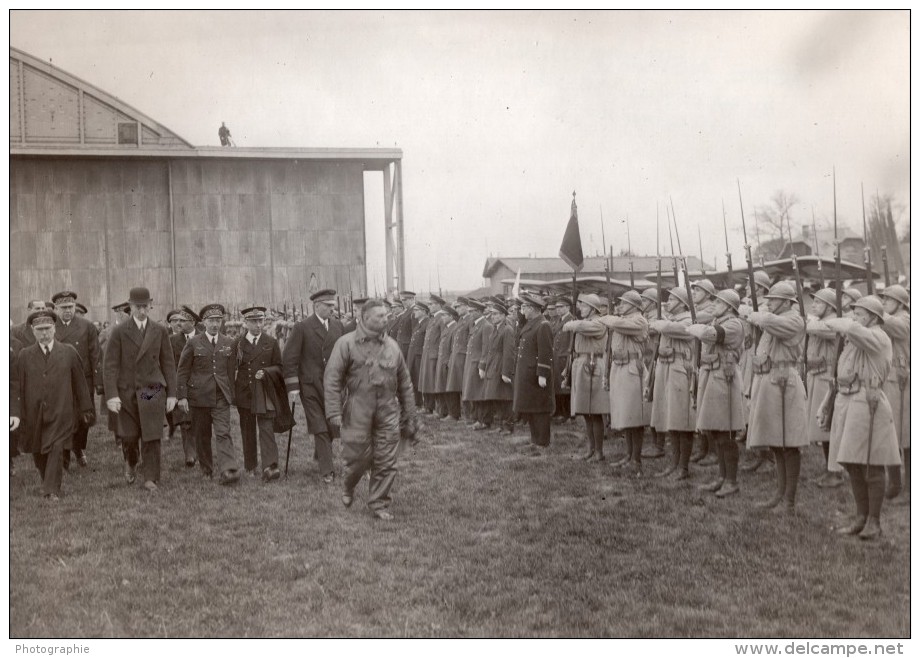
x: 539, y: 428
x: 429, y: 402
x: 498, y: 411
x: 50, y: 467
x: 249, y: 422
x: 419, y: 399
x: 132, y: 447
x: 452, y: 404
x: 374, y: 449
x: 562, y: 405
x: 218, y: 418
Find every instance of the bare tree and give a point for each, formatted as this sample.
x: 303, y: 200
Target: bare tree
x: 774, y: 223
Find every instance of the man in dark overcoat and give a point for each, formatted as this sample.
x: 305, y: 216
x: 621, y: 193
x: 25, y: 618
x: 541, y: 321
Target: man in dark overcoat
x: 457, y: 362
x: 53, y: 398
x: 23, y: 332
x: 255, y: 351
x: 562, y: 352
x: 207, y: 368
x: 428, y: 372
x: 477, y: 344
x: 139, y: 375
x: 83, y: 336
x: 304, y: 362
x: 405, y: 328
x: 534, y: 396
x: 185, y: 321
x: 497, y: 375
x: 414, y: 356
x: 448, y: 403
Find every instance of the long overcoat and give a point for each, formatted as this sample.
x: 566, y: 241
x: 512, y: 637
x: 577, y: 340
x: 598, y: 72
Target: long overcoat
x: 719, y: 399
x: 499, y: 361
x: 778, y: 405
x: 405, y: 329
x: 82, y: 335
x: 140, y: 370
x: 249, y: 360
x: 414, y: 356
x: 534, y: 360
x: 304, y: 359
x: 628, y: 334
x: 178, y: 341
x: 458, y: 355
x: 444, y: 349
x: 562, y: 351
x: 476, y: 349
x: 897, y: 384
x: 428, y: 373
x: 820, y: 366
x: 52, y: 392
x: 589, y: 368
x: 672, y: 407
x: 863, y: 367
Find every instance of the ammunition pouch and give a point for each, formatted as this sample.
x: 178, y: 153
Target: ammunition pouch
x: 762, y: 364
x: 849, y: 384
x: 666, y: 354
x: 817, y: 366
x: 710, y: 361
x: 620, y: 357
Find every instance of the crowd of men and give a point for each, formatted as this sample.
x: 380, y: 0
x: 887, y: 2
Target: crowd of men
x: 719, y: 377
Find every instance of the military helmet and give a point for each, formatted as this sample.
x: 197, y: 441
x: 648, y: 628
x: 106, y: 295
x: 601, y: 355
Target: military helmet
x: 651, y: 294
x: 762, y: 279
x: 782, y: 290
x: 872, y: 304
x: 852, y: 293
x: 632, y: 297
x: 898, y: 293
x: 705, y: 285
x: 730, y: 297
x: 681, y: 294
x: 828, y: 296
x: 591, y: 300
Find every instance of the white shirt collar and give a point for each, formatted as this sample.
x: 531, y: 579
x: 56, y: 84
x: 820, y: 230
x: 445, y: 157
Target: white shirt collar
x: 50, y: 346
x: 252, y: 337
x: 190, y: 335
x: 140, y: 325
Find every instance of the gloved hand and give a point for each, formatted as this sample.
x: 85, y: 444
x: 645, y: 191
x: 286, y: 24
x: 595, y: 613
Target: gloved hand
x: 114, y: 405
x: 89, y: 418
x: 506, y: 379
x: 541, y: 380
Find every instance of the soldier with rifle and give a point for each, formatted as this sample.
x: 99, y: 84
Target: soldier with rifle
x: 720, y: 412
x: 704, y: 294
x: 589, y: 397
x: 777, y: 413
x: 863, y: 437
x: 672, y: 410
x: 652, y: 311
x: 820, y: 365
x: 897, y: 385
x: 628, y: 334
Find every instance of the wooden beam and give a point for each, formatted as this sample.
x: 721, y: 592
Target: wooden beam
x: 22, y: 104
x: 400, y: 228
x: 172, y: 235
x: 387, y: 222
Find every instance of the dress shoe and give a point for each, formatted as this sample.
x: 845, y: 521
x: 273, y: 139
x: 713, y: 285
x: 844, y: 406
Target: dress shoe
x: 871, y: 531
x: 250, y: 472
x: 682, y: 474
x: 348, y: 498
x: 728, y: 489
x: 82, y: 458
x: 329, y: 478
x: 853, y: 528
x: 151, y: 486
x: 753, y: 464
x: 190, y: 464
x: 382, y: 514
x: 713, y: 486
x: 271, y: 473
x: 230, y: 477
x: 130, y: 473
x: 830, y: 480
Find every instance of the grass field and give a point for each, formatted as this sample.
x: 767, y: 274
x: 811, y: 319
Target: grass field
x: 486, y: 542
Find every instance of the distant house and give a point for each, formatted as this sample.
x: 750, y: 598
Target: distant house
x: 500, y: 268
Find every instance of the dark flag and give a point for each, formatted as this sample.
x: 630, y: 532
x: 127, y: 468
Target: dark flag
x: 570, y: 251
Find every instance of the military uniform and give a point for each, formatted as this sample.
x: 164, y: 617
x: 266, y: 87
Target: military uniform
x: 207, y: 369
x: 414, y: 356
x: 178, y: 417
x: 455, y: 368
x: 473, y: 386
x: 499, y: 365
x: 562, y: 348
x: 428, y: 371
x: 532, y: 402
x: 448, y: 404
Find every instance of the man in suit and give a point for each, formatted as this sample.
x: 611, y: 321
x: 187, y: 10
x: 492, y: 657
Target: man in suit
x: 304, y: 362
x: 52, y: 388
x: 255, y: 351
x: 185, y: 321
x: 80, y: 334
x: 207, y: 368
x: 139, y: 374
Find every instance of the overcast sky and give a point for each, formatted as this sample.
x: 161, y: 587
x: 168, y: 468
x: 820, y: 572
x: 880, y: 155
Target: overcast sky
x: 501, y: 116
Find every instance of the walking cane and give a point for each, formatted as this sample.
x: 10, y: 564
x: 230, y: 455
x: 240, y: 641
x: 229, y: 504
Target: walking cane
x: 290, y: 431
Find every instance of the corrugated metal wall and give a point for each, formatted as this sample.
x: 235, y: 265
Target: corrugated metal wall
x: 241, y: 231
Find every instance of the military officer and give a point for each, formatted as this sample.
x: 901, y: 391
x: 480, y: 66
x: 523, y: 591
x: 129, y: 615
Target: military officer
x: 82, y: 335
x: 53, y: 398
x: 562, y: 347
x: 304, y: 357
x: 139, y: 375
x: 23, y: 332
x: 458, y: 355
x: 207, y: 369
x: 498, y: 389
x: 428, y: 371
x: 590, y: 397
x: 897, y: 385
x: 720, y: 411
x: 534, y: 399
x: 414, y: 361
x: 352, y: 324
x: 255, y: 352
x: 628, y: 334
x: 477, y: 345
x: 777, y: 413
x: 186, y: 321
x: 407, y: 322
x: 81, y: 312
x: 820, y: 365
x: 863, y: 437
x: 449, y: 403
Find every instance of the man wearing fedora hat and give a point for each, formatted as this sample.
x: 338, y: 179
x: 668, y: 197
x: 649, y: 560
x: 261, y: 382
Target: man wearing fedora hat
x: 82, y: 335
x: 820, y: 365
x: 720, y: 410
x: 778, y: 403
x: 863, y: 438
x: 897, y: 385
x: 534, y: 400
x: 52, y: 387
x: 207, y: 369
x: 139, y: 375
x: 304, y: 361
x: 590, y: 398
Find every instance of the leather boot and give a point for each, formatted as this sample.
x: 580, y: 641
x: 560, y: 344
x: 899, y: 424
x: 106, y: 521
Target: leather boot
x: 589, y: 433
x: 793, y: 459
x: 875, y: 486
x: 715, y: 442
x: 780, y: 474
x: 623, y: 461
x: 757, y: 459
x: 861, y: 498
x: 894, y: 482
x: 599, y: 438
x: 675, y: 455
x: 686, y: 447
x: 730, y: 453
x: 638, y: 434
x: 904, y: 498
x: 704, y: 449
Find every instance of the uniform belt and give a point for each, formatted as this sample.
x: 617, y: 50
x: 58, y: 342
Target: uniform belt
x: 595, y: 354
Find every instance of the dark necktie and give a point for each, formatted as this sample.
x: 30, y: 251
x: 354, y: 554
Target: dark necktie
x: 47, y: 350
x: 214, y: 341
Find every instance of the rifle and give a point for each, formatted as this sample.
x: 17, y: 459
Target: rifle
x: 632, y: 275
x: 750, y: 263
x: 605, y: 377
x: 700, y: 236
x: 827, y: 405
x: 801, y: 296
x: 694, y: 381
x: 814, y: 230
x: 728, y: 253
x: 867, y: 251
x: 650, y: 388
x: 878, y: 220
